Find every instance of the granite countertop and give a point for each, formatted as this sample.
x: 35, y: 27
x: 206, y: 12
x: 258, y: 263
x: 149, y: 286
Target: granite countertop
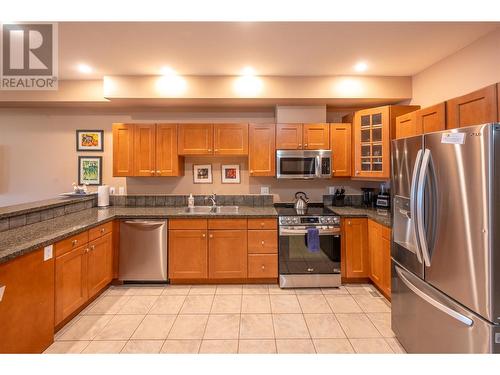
x: 19, y: 241
x: 378, y: 215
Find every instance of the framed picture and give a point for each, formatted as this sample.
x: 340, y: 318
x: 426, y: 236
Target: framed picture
x: 90, y: 170
x: 231, y: 174
x: 89, y: 140
x: 202, y: 173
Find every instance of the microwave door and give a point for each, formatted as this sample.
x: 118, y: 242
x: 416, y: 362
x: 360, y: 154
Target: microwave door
x: 297, y: 167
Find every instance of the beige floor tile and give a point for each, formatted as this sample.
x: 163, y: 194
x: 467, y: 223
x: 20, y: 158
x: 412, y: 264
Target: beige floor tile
x: 66, y: 347
x: 68, y: 325
x: 196, y: 304
x: 226, y: 304
x: 219, y: 347
x: 188, y: 327
x: 178, y: 290
x: 395, y: 345
x: 275, y: 289
x: 382, y: 321
x: 145, y: 290
x: 256, y: 303
x: 104, y: 347
x: 300, y: 291
x: 255, y: 289
x: 256, y: 326
x: 86, y: 328
x: 343, y: 304
x: 116, y: 291
x: 107, y: 305
x: 297, y: 346
x: 142, y: 347
x: 202, y: 289
x: 167, y: 305
x: 357, y: 326
x: 181, y: 346
x: 226, y: 326
x: 229, y: 289
x: 285, y: 304
x: 290, y: 326
x: 154, y: 327
x: 333, y: 346
x: 257, y: 347
x: 121, y: 327
x: 356, y: 289
x: 371, y: 304
x: 369, y: 346
x: 138, y: 305
x: 335, y: 291
x: 311, y: 303
x: 323, y: 326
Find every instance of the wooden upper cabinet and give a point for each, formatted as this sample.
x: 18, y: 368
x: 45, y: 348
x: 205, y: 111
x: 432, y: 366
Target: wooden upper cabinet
x: 316, y: 136
x: 261, y: 149
x: 227, y: 251
x: 187, y: 254
x: 356, y: 247
x: 230, y: 139
x: 406, y: 125
x: 289, y: 136
x: 144, y: 149
x: 431, y: 119
x: 168, y: 162
x: 123, y: 150
x: 195, y: 139
x: 99, y: 264
x: 340, y: 142
x: 475, y: 108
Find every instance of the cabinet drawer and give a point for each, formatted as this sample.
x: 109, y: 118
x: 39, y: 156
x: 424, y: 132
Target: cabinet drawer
x: 70, y: 243
x: 227, y: 224
x: 187, y: 224
x: 262, y: 224
x: 262, y: 241
x: 101, y: 230
x: 262, y: 266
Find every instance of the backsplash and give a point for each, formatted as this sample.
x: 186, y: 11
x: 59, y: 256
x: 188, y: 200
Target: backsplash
x: 129, y: 200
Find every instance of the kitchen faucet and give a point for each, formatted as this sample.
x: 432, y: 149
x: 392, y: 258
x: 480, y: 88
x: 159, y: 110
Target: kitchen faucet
x: 213, y: 199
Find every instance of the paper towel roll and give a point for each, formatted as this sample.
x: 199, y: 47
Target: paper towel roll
x: 103, y: 196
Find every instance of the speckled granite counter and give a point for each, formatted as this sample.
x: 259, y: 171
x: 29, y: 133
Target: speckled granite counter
x: 18, y: 241
x: 25, y: 208
x: 380, y: 216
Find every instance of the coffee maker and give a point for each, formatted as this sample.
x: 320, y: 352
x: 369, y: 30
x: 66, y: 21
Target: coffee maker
x: 383, y: 198
x: 368, y: 197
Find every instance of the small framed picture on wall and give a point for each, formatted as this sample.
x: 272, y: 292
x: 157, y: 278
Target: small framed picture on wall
x: 202, y: 173
x: 90, y: 140
x: 231, y: 174
x: 90, y: 170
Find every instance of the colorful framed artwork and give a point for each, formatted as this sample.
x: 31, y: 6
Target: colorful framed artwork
x: 90, y: 170
x: 231, y: 174
x: 89, y: 140
x: 202, y: 173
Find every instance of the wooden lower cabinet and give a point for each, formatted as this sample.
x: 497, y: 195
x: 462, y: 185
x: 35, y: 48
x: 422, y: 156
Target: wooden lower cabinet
x: 27, y: 305
x: 187, y: 254
x: 386, y: 261
x: 227, y: 254
x: 355, y: 233
x: 379, y: 237
x: 262, y: 266
x: 99, y: 264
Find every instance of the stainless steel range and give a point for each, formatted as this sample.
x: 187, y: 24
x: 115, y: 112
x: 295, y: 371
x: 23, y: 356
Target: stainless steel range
x: 300, y: 264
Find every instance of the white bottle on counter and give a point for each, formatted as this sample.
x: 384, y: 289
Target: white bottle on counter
x: 191, y: 201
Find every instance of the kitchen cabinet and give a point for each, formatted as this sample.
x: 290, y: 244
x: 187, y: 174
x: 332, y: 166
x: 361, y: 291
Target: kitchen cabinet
x: 340, y: 142
x: 27, y: 304
x: 262, y: 149
x: 230, y: 139
x: 187, y: 254
x: 289, y: 136
x: 213, y: 139
x: 386, y: 261
x: 195, y: 139
x: 355, y: 234
x: 262, y: 266
x: 302, y: 136
x: 406, y: 125
x: 144, y: 150
x: 316, y: 136
x: 379, y: 237
x: 99, y: 264
x: 475, y: 108
x: 431, y: 119
x: 167, y: 162
x: 227, y: 251
x: 123, y: 150
x: 262, y: 248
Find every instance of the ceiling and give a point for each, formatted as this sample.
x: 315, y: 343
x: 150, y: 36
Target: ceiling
x: 296, y: 49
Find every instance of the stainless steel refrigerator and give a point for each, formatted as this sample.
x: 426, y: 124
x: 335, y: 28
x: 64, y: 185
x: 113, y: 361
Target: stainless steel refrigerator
x: 446, y: 241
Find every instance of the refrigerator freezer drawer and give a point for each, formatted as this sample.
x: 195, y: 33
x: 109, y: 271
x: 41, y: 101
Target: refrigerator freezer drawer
x: 426, y: 321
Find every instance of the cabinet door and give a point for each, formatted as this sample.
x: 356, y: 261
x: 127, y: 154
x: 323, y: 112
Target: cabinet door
x: 386, y: 260
x: 316, y: 136
x: 227, y: 252
x: 195, y: 139
x: 340, y: 142
x: 356, y: 247
x: 168, y: 162
x: 406, y: 125
x: 71, y: 282
x: 187, y: 254
x: 144, y: 150
x: 99, y: 264
x: 230, y: 139
x: 123, y: 150
x: 476, y: 108
x: 375, y: 251
x: 289, y: 136
x: 432, y: 119
x: 262, y: 266
x: 262, y: 150
x: 27, y: 305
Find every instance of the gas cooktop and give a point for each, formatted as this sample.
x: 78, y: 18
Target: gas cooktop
x: 312, y: 210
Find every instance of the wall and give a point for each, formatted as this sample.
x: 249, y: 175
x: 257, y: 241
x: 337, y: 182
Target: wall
x: 469, y: 69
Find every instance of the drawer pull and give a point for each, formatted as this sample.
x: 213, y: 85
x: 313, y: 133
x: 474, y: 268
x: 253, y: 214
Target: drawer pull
x: 102, y: 230
x: 262, y: 224
x: 211, y: 236
x: 310, y: 269
x: 87, y: 250
x: 92, y: 247
x: 262, y: 243
x: 2, y: 291
x: 74, y: 242
x: 203, y: 235
x: 263, y: 267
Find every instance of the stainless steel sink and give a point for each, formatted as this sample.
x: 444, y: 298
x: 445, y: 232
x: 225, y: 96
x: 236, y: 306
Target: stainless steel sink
x: 212, y: 210
x: 226, y: 209
x: 198, y: 210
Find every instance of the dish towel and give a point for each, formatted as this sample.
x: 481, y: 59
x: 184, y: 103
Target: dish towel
x: 313, y: 240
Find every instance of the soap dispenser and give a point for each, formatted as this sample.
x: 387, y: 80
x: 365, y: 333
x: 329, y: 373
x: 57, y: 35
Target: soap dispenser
x: 191, y: 201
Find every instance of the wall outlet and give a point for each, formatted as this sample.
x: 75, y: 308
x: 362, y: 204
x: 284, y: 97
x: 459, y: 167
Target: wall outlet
x: 331, y: 190
x: 112, y: 190
x: 264, y: 190
x: 47, y: 252
x: 121, y: 190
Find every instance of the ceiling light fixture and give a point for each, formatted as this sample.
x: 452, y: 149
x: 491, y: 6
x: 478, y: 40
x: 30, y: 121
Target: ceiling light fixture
x: 84, y: 68
x: 361, y: 66
x: 170, y: 83
x: 168, y: 71
x: 248, y: 84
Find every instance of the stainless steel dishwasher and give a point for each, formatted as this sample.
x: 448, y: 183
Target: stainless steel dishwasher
x: 143, y: 250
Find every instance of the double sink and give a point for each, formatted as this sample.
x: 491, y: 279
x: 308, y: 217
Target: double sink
x: 212, y: 210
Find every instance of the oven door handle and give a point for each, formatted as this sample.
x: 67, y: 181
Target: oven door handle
x: 301, y: 232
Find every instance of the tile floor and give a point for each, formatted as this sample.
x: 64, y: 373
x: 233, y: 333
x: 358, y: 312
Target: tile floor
x: 231, y: 319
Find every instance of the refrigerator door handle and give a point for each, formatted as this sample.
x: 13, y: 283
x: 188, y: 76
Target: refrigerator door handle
x: 454, y: 314
x: 420, y: 207
x: 413, y: 202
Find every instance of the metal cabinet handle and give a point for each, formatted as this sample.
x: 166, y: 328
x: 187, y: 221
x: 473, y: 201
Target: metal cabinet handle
x: 209, y: 149
x: 203, y: 235
x: 262, y: 243
x: 262, y: 224
x: 333, y: 171
x: 251, y: 170
x: 2, y: 291
x: 216, y: 150
x: 102, y: 230
x: 152, y: 172
x: 211, y: 236
x: 348, y: 223
x: 357, y: 172
x: 74, y: 242
x: 310, y: 269
x: 92, y: 247
x: 87, y: 250
x: 300, y: 144
x: 305, y: 144
x: 263, y: 267
x: 158, y: 171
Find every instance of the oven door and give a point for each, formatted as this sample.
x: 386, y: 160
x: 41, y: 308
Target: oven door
x: 296, y: 259
x: 297, y: 164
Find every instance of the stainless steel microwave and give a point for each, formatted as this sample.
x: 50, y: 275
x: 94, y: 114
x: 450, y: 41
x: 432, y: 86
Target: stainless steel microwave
x: 298, y: 164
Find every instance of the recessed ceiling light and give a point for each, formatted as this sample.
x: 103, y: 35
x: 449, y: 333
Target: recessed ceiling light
x: 361, y: 66
x: 84, y: 68
x: 248, y: 71
x: 167, y: 71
